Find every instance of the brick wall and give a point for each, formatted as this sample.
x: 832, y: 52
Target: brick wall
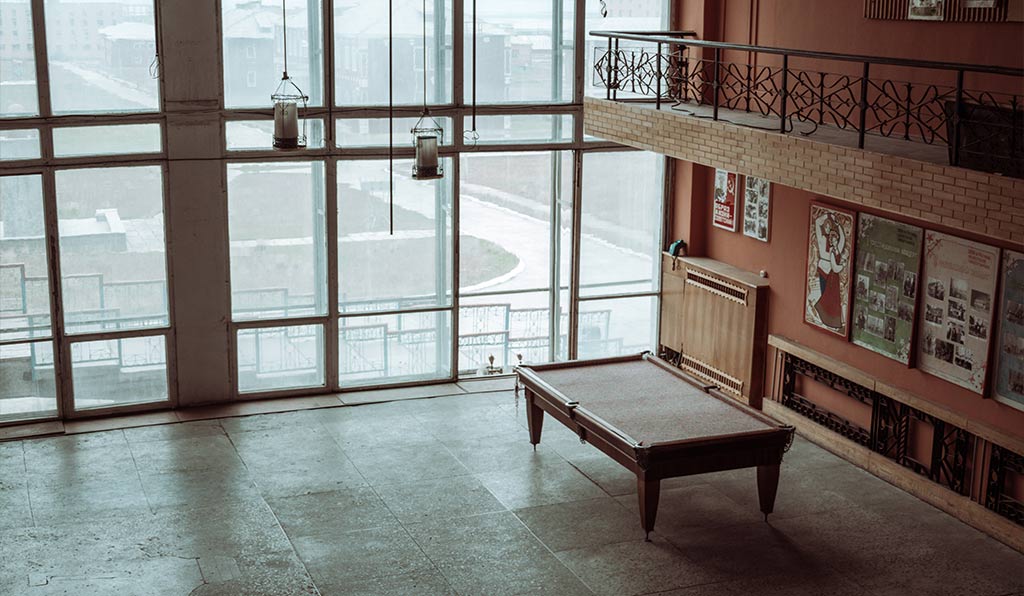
x: 983, y: 203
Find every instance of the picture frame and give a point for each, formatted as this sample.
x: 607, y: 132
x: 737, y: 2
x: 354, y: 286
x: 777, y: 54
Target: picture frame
x: 724, y: 205
x: 926, y: 10
x: 1008, y: 380
x: 886, y: 286
x: 959, y: 279
x: 757, y: 208
x: 829, y: 271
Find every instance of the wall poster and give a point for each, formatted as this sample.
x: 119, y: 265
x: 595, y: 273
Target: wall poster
x: 1009, y: 377
x: 926, y: 10
x: 725, y: 200
x: 885, y: 286
x: 959, y: 280
x: 757, y: 208
x: 829, y: 265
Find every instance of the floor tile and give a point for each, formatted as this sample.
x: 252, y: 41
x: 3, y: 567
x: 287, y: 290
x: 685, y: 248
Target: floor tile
x: 197, y: 487
x: 479, y: 540
x: 400, y: 393
x: 331, y: 513
x: 543, y: 484
x: 387, y: 464
x: 486, y: 385
x: 93, y: 500
x: 419, y: 583
x: 581, y: 524
x: 636, y: 567
x: 189, y: 454
x: 438, y: 499
x: 696, y: 506
x: 181, y: 430
x: 499, y: 452
x: 363, y: 555
x: 279, y: 574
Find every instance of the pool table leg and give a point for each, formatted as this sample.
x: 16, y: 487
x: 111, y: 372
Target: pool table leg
x: 648, y: 491
x: 767, y: 486
x: 534, y: 419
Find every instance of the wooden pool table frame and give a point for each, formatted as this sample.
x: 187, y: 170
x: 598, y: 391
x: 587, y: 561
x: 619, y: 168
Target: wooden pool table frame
x: 657, y: 461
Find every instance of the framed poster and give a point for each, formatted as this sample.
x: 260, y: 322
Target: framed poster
x: 829, y: 265
x: 926, y: 10
x: 725, y: 200
x: 978, y: 3
x: 959, y: 279
x: 757, y: 208
x: 1009, y: 379
x: 885, y: 286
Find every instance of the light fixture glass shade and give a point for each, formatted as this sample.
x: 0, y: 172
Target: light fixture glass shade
x: 426, y: 138
x: 289, y: 129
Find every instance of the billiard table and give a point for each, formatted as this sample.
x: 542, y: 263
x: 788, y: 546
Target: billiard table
x: 657, y: 421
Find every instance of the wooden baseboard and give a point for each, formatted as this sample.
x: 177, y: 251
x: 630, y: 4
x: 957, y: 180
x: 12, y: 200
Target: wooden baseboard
x: 958, y: 506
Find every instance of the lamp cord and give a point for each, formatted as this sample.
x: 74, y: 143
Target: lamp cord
x: 424, y: 56
x: 391, y: 117
x: 284, y: 26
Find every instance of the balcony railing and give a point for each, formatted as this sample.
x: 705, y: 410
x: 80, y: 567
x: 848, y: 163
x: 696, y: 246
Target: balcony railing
x: 975, y: 111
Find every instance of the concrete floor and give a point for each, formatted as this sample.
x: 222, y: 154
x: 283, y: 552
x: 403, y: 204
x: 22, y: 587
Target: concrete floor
x: 446, y: 496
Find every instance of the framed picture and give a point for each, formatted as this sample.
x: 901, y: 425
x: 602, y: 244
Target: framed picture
x: 978, y: 3
x: 757, y: 208
x: 926, y: 10
x: 885, y: 286
x: 1009, y: 378
x: 959, y: 282
x: 829, y: 268
x: 725, y: 200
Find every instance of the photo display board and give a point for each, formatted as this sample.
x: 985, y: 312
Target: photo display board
x: 1009, y: 379
x: 829, y: 266
x: 886, y: 286
x: 959, y: 284
x: 757, y: 208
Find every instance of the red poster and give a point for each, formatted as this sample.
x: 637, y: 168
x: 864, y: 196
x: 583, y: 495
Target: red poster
x: 725, y: 200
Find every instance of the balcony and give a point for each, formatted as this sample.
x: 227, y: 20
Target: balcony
x: 937, y: 141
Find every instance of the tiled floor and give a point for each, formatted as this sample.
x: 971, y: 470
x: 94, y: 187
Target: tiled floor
x: 446, y: 496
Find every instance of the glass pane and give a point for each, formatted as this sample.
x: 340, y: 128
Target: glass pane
x: 27, y: 388
x: 522, y: 129
x: 276, y: 358
x: 113, y: 267
x: 410, y: 269
x: 621, y: 222
x: 101, y: 55
x: 278, y: 240
x: 254, y: 50
x: 373, y: 132
x: 395, y: 348
x: 517, y: 49
x: 116, y: 372
x: 617, y: 327
x: 635, y: 15
x: 18, y: 95
x: 106, y: 140
x: 19, y: 144
x: 248, y: 135
x: 504, y: 326
x: 24, y: 280
x: 361, y: 52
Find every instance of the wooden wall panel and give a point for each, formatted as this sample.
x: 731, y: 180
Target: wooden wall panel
x: 954, y: 11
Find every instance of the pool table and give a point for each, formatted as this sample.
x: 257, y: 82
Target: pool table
x: 657, y: 421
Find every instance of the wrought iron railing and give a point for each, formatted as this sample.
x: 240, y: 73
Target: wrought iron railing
x: 981, y: 124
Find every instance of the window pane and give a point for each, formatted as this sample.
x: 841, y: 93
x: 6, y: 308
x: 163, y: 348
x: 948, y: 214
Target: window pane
x: 278, y: 240
x: 248, y: 135
x: 254, y: 50
x: 19, y: 144
x: 410, y: 269
x: 621, y: 222
x: 280, y: 358
x: 24, y: 286
x: 636, y: 15
x: 617, y: 327
x: 395, y: 348
x: 361, y: 52
x: 18, y: 95
x: 503, y: 129
x: 27, y: 388
x: 504, y: 326
x: 517, y: 53
x: 113, y: 267
x: 106, y: 140
x: 115, y: 372
x: 373, y: 132
x: 100, y: 56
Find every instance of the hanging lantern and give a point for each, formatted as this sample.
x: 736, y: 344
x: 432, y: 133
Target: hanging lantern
x: 289, y: 129
x: 427, y: 135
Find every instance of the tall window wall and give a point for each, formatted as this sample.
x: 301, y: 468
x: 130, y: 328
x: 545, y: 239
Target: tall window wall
x: 85, y: 324
x: 538, y: 244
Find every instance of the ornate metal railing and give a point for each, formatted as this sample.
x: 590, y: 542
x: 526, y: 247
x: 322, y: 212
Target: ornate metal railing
x: 912, y: 100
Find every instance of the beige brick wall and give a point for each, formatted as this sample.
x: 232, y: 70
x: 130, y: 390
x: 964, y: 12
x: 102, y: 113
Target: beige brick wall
x: 983, y: 203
